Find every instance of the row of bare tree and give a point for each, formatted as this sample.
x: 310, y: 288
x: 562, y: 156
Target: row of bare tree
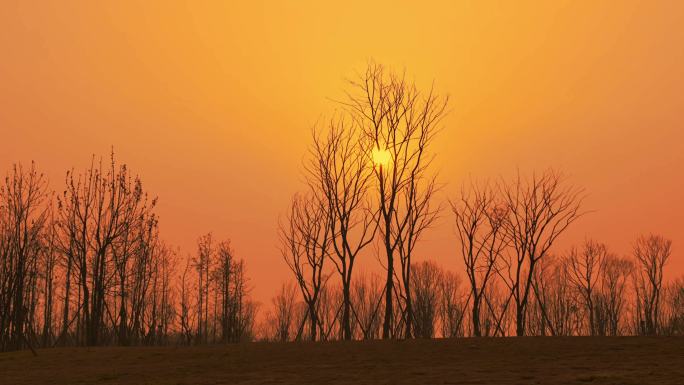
x: 369, y: 190
x: 587, y: 292
x: 506, y: 232
x: 87, y: 267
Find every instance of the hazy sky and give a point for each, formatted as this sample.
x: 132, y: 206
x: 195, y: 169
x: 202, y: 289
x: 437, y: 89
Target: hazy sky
x: 212, y: 103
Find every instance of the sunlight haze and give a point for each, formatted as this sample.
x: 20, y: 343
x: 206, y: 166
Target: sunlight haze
x: 213, y: 103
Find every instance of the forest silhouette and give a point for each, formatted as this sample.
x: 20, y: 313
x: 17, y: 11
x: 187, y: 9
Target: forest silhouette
x: 83, y: 263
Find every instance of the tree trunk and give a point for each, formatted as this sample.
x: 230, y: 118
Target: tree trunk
x: 520, y: 320
x: 346, y: 312
x: 409, y: 306
x: 313, y: 320
x: 477, y: 332
x: 387, y: 325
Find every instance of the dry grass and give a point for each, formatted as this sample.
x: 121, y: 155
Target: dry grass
x: 577, y: 360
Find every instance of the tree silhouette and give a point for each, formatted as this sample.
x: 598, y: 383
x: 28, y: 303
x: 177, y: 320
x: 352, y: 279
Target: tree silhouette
x: 339, y: 169
x: 306, y: 244
x: 480, y: 216
x: 400, y: 123
x: 540, y: 209
x: 651, y: 254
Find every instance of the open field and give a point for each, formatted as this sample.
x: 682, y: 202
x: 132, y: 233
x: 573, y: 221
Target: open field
x: 580, y: 360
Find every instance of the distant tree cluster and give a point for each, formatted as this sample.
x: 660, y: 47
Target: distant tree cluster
x: 506, y: 232
x: 221, y: 311
x: 87, y: 267
x: 369, y: 190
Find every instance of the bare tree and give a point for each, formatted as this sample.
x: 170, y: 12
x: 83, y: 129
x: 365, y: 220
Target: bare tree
x: 105, y: 217
x: 421, y: 213
x: 557, y: 297
x: 305, y: 236
x: 225, y: 274
x: 427, y: 276
x: 400, y: 123
x: 282, y: 320
x: 613, y: 296
x: 480, y: 218
x: 452, y: 305
x: 222, y: 305
x: 585, y: 270
x: 232, y: 307
x: 540, y: 209
x: 22, y: 217
x: 133, y: 254
x: 557, y: 308
x: 48, y: 260
x: 674, y: 319
x: 339, y: 169
x: 164, y: 311
x: 186, y: 314
x: 651, y: 254
x: 203, y: 264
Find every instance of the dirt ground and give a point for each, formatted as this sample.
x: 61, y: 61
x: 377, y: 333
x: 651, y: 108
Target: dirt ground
x: 578, y: 360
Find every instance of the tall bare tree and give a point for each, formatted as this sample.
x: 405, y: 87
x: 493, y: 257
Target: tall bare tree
x: 226, y: 274
x: 107, y: 222
x: 23, y: 215
x: 400, y: 123
x: 306, y: 242
x: 133, y: 254
x: 480, y: 216
x: 540, y: 208
x: 585, y: 267
x: 339, y: 169
x: 223, y: 310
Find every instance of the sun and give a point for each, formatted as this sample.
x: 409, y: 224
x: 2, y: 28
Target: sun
x: 381, y: 157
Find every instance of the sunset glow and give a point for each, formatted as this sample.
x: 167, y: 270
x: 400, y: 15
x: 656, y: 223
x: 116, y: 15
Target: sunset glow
x: 381, y: 157
x: 277, y: 191
x: 212, y: 103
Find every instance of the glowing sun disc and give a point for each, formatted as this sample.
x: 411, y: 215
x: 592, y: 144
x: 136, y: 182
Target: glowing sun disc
x: 381, y: 157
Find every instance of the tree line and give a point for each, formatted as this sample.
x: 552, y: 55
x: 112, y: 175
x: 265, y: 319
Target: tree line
x: 86, y: 266
x: 370, y: 191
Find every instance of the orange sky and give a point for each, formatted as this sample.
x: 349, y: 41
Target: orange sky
x: 212, y: 103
